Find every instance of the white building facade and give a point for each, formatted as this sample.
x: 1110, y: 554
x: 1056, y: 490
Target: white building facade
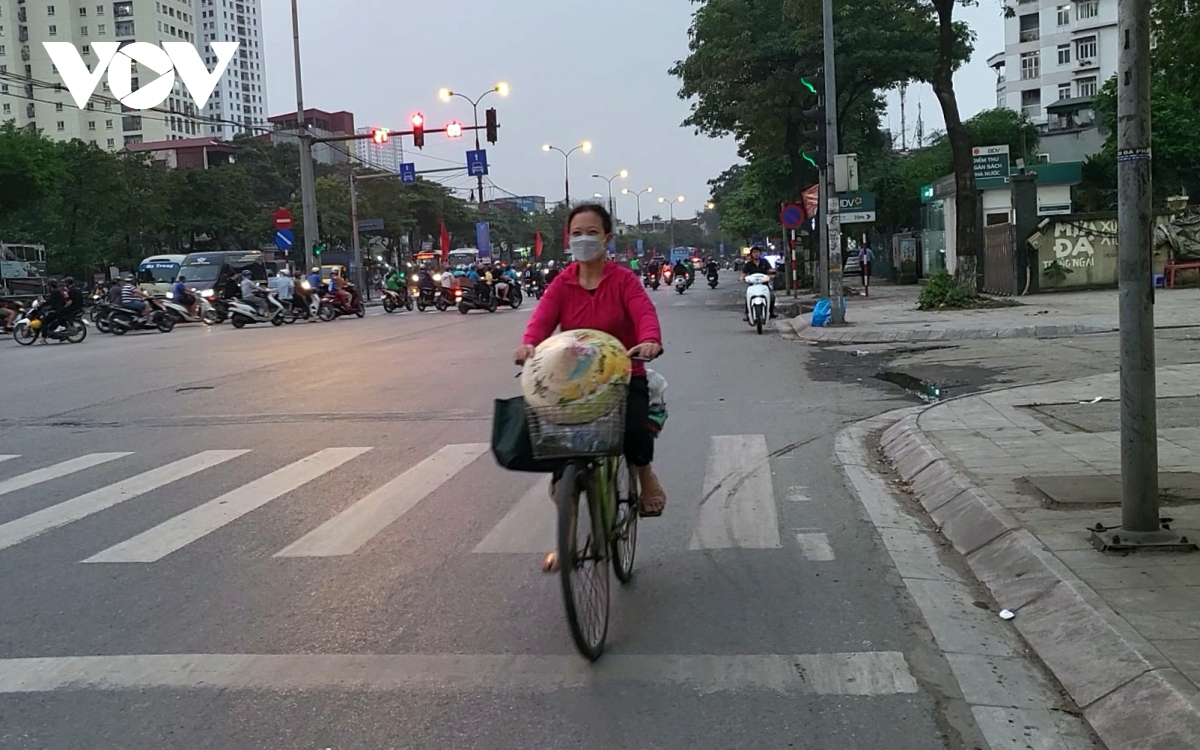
x: 385, y: 156
x: 239, y: 103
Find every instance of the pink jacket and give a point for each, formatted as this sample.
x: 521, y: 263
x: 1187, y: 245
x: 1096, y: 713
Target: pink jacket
x: 619, y: 306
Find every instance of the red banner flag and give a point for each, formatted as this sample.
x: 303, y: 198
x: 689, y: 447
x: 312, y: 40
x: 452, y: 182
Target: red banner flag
x: 809, y: 200
x: 445, y: 242
x: 567, y: 237
x: 537, y: 245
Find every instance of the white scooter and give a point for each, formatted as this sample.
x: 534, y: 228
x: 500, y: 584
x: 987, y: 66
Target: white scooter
x: 681, y: 283
x: 179, y: 311
x: 242, y: 313
x: 758, y: 299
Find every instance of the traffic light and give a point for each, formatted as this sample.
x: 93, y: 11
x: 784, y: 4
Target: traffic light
x: 492, y: 125
x: 454, y: 130
x: 418, y: 126
x: 815, y: 84
x: 318, y: 249
x: 379, y: 136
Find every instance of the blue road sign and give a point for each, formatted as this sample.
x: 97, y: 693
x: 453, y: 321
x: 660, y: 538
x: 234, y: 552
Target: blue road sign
x: 792, y: 216
x: 482, y: 239
x: 721, y: 249
x: 408, y: 173
x: 641, y: 246
x: 477, y: 162
x: 284, y: 239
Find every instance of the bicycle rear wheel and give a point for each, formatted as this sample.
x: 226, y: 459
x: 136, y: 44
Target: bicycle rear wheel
x: 624, y: 541
x: 582, y: 560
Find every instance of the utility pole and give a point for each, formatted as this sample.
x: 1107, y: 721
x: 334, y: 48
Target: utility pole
x: 1140, y: 525
x: 308, y: 190
x: 833, y: 219
x: 355, y: 245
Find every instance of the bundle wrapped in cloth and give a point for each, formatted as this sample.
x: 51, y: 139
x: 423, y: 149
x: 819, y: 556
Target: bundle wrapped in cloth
x: 576, y: 377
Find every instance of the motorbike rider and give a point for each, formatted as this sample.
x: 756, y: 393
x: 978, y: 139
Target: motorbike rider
x: 251, y: 294
x: 680, y: 271
x: 180, y: 293
x: 652, y: 269
x: 710, y: 267
x: 74, y: 307
x: 337, y: 288
x: 133, y: 299
x: 552, y: 272
x: 56, y: 303
x: 314, y: 279
x: 758, y: 264
x: 284, y: 286
x: 503, y: 281
x: 395, y: 282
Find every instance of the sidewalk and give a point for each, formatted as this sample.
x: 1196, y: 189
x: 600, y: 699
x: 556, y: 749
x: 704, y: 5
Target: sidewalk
x: 891, y: 315
x: 1014, y: 479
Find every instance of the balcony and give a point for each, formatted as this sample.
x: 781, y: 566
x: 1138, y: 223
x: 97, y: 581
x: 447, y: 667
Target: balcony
x: 1030, y: 35
x: 124, y: 28
x: 123, y: 9
x: 25, y: 53
x: 21, y: 15
x: 22, y: 33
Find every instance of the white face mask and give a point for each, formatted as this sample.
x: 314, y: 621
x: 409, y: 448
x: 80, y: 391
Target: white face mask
x: 586, y: 247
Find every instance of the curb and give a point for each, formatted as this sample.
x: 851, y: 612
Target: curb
x: 1129, y: 693
x: 849, y: 335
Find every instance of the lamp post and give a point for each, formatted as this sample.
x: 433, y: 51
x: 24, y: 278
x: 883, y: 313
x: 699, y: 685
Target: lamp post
x: 585, y: 147
x: 638, y: 195
x: 308, y: 189
x: 446, y: 95
x: 671, y: 203
x: 612, y: 207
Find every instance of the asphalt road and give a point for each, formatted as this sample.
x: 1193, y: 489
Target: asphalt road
x: 296, y: 538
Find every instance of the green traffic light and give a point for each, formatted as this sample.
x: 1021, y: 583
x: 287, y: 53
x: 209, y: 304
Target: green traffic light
x: 810, y: 160
x: 808, y: 85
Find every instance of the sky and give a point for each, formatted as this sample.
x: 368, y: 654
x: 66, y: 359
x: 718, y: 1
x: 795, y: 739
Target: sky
x: 577, y: 69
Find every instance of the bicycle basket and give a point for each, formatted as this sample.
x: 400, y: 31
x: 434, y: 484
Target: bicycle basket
x: 560, y: 432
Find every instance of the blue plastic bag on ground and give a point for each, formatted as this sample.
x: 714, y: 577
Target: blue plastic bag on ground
x: 821, y: 314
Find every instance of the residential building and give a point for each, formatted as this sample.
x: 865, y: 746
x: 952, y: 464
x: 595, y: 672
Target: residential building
x: 1057, y: 55
x: 384, y: 156
x: 186, y: 153
x: 321, y: 124
x: 239, y: 102
x: 31, y: 94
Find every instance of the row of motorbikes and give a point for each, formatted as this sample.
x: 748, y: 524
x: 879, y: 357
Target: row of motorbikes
x: 683, y: 282
x: 463, y: 297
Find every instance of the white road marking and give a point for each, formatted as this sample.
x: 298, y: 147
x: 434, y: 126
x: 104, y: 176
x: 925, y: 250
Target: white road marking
x: 859, y: 674
x: 712, y: 302
x: 180, y: 531
x: 737, y: 509
x: 349, y: 530
x: 679, y: 304
x: 26, y: 527
x: 815, y: 546
x: 529, y: 527
x: 8, y: 456
x: 57, y: 470
x: 798, y: 494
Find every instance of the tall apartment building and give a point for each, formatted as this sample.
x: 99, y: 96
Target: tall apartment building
x: 30, y: 94
x: 239, y: 103
x: 1057, y: 54
x: 384, y: 156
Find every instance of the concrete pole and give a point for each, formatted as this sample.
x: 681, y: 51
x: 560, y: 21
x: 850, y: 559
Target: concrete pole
x: 356, y: 272
x: 822, y: 232
x: 1139, y: 430
x: 308, y: 188
x: 832, y: 218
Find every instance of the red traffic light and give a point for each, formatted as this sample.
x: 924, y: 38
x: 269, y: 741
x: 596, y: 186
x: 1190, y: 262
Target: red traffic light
x: 418, y: 120
x: 418, y: 130
x: 454, y: 130
x: 379, y: 135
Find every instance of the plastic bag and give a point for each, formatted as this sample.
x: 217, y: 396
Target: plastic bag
x: 821, y: 313
x: 658, y: 389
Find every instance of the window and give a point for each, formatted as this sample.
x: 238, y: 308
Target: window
x: 1064, y: 54
x: 1087, y: 9
x: 53, y: 31
x: 1029, y: 28
x: 1064, y: 91
x: 85, y: 50
x: 99, y: 10
x: 111, y: 143
x: 58, y: 106
x: 61, y: 126
x: 91, y: 124
x: 1031, y: 102
x: 100, y: 29
x: 83, y: 31
x: 1030, y: 65
x: 7, y: 108
x: 83, y: 12
x: 1085, y: 48
x: 1085, y: 87
x: 108, y: 125
x: 49, y: 10
x: 1, y: 50
x: 1064, y: 15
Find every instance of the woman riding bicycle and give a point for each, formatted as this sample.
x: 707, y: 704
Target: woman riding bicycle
x: 594, y: 293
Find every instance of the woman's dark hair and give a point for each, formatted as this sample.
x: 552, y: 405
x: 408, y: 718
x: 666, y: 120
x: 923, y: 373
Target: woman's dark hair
x: 594, y: 208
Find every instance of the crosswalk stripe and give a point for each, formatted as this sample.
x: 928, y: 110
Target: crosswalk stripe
x: 8, y: 456
x: 528, y: 527
x: 815, y: 546
x: 26, y: 527
x: 737, y: 509
x: 712, y: 302
x: 869, y: 673
x: 58, y: 470
x: 349, y: 530
x: 180, y: 531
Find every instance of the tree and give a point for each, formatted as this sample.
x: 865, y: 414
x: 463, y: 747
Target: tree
x: 28, y: 168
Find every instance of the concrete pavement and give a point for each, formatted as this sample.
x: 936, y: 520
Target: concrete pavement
x: 890, y: 315
x: 295, y: 537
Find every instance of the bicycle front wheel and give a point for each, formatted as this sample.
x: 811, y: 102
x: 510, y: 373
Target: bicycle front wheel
x: 583, y: 560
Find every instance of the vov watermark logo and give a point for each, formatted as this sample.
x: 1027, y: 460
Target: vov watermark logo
x: 172, y: 58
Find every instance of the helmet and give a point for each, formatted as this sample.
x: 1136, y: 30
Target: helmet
x: 246, y: 273
x: 69, y: 281
x: 315, y: 269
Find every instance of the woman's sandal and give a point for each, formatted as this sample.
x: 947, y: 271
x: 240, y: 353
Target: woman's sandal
x: 659, y: 499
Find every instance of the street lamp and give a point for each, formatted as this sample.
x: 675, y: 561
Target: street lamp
x: 585, y: 147
x: 638, y: 194
x: 710, y: 205
x: 612, y: 207
x: 671, y: 203
x: 446, y: 95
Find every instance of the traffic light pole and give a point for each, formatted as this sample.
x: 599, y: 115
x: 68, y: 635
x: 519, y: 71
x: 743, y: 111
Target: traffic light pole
x: 308, y: 189
x: 833, y: 219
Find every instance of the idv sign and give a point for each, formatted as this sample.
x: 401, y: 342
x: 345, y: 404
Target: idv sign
x: 172, y: 58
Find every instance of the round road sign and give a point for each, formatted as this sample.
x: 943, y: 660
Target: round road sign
x: 792, y: 216
x: 283, y: 219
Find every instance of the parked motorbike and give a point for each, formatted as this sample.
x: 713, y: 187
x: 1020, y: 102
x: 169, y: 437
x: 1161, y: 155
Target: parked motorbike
x: 29, y: 326
x: 121, y: 320
x: 758, y: 299
x: 467, y: 299
x: 331, y: 308
x: 394, y: 300
x: 242, y: 313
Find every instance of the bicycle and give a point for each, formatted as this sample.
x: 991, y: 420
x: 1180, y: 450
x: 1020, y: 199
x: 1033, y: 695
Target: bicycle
x: 596, y: 468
